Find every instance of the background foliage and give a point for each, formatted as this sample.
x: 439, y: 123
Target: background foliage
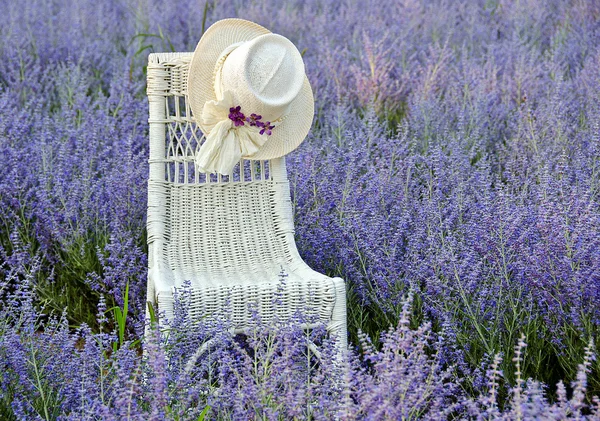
x: 455, y: 154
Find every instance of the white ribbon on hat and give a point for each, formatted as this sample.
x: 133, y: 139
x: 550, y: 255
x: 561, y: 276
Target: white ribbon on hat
x: 225, y: 143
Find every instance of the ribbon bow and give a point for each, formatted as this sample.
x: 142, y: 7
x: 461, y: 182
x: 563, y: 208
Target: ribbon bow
x: 228, y: 138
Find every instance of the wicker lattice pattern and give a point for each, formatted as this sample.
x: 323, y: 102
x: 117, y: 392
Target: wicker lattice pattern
x: 228, y: 236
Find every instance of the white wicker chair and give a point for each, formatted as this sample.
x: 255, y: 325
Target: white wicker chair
x: 230, y: 236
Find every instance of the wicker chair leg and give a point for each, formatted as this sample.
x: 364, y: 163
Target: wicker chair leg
x: 337, y: 327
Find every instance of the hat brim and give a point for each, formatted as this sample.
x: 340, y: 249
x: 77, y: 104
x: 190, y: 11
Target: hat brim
x: 290, y: 133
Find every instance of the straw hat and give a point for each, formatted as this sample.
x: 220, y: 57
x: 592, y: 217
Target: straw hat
x: 249, y: 93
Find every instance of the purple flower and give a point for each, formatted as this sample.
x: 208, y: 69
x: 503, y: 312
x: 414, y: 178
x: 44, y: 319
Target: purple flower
x: 237, y: 116
x: 266, y: 128
x: 254, y: 120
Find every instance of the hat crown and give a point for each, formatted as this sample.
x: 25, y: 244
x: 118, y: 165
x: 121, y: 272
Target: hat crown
x: 265, y: 75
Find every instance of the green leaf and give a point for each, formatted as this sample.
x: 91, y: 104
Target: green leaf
x: 152, y: 313
x: 203, y: 413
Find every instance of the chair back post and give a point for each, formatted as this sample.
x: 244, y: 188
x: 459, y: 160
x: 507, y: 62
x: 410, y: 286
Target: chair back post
x: 157, y: 90
x: 157, y: 199
x: 283, y: 207
x: 278, y: 170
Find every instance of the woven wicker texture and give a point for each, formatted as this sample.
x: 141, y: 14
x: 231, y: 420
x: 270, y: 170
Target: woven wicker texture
x: 229, y: 236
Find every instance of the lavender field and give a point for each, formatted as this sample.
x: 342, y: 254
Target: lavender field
x: 452, y: 177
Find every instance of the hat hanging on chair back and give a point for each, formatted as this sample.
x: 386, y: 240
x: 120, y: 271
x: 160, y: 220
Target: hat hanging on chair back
x: 249, y: 94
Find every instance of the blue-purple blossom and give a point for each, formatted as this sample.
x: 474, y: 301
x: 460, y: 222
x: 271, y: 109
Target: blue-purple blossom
x: 254, y: 120
x: 237, y: 116
x: 266, y: 128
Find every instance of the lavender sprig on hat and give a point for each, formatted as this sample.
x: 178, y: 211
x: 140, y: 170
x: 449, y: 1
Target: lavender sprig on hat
x: 254, y: 120
x: 239, y: 118
x: 266, y: 128
x: 236, y: 116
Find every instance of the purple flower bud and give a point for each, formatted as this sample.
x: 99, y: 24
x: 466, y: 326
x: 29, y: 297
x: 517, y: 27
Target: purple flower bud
x: 266, y: 128
x: 254, y: 120
x: 237, y: 116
